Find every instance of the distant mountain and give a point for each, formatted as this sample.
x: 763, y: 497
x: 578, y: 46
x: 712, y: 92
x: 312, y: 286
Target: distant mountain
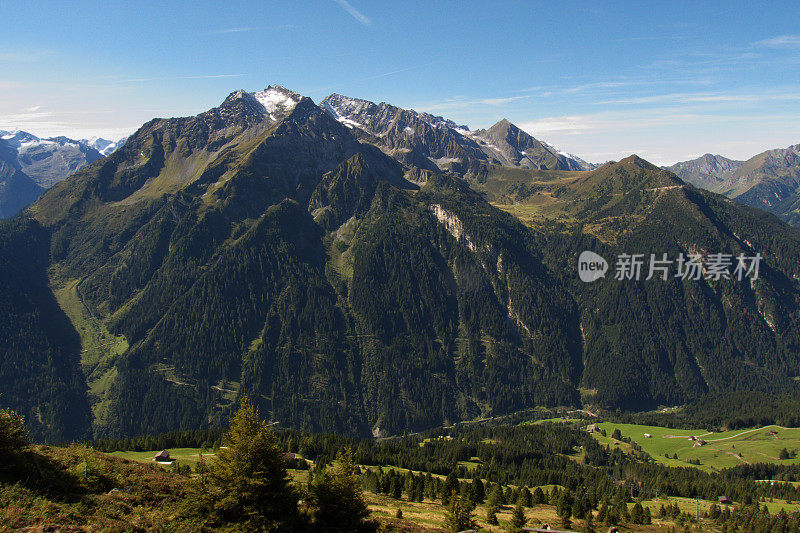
x: 436, y: 143
x: 298, y: 254
x: 518, y: 149
x: 769, y: 180
x: 103, y: 146
x: 711, y: 172
x: 44, y: 162
x: 17, y: 189
x: 48, y: 161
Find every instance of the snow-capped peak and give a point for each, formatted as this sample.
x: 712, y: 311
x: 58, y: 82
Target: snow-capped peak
x: 17, y: 138
x: 104, y: 146
x: 276, y: 99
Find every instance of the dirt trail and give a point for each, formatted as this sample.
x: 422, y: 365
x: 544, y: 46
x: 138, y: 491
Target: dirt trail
x: 744, y: 432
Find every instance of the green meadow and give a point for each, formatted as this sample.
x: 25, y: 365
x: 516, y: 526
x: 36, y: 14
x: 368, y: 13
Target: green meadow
x: 186, y: 456
x: 721, y: 449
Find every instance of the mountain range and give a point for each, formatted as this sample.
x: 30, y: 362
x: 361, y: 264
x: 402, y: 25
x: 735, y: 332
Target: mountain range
x: 349, y: 274
x: 437, y: 144
x: 769, y: 180
x: 30, y: 165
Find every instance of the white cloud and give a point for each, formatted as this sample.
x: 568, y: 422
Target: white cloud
x: 356, y: 14
x: 230, y: 30
x: 691, y: 98
x: 573, y: 125
x: 24, y: 56
x: 202, y: 77
x: 466, y: 103
x: 781, y: 41
x: 33, y: 109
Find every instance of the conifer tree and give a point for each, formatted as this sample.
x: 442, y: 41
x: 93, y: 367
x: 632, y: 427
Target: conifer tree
x: 478, y: 493
x: 248, y: 483
x: 518, y: 519
x: 337, y: 500
x: 526, y: 496
x: 459, y: 513
x: 450, y: 487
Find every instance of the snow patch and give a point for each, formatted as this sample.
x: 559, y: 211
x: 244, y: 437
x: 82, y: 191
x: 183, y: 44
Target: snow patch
x: 350, y: 123
x: 276, y: 100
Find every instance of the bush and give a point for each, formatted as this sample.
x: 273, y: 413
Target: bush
x: 13, y: 440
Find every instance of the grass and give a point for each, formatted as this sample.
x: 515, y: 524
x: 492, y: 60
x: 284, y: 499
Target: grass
x: 189, y: 456
x: 722, y: 450
x: 84, y: 490
x: 99, y: 348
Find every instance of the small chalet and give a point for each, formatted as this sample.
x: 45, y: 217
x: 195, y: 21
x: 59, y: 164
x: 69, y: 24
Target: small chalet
x: 724, y: 500
x: 162, y: 457
x: 700, y: 442
x: 647, y: 435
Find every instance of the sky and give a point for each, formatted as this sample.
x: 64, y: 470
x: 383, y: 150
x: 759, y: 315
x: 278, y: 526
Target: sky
x: 669, y: 81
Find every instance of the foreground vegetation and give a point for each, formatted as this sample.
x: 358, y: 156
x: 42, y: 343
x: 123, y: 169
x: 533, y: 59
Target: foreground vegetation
x: 249, y: 478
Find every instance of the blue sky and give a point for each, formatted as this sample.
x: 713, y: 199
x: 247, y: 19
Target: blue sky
x: 667, y: 80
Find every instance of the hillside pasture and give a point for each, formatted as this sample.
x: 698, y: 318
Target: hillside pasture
x: 721, y: 449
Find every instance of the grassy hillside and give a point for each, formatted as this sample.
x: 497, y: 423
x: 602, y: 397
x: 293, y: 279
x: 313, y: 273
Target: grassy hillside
x: 79, y: 489
x: 722, y: 450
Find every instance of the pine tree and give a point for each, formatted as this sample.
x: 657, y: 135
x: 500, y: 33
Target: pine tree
x: 396, y: 488
x: 459, y: 516
x: 518, y: 519
x: 248, y: 483
x: 337, y: 500
x: 637, y: 514
x: 538, y: 496
x: 526, y: 497
x: 450, y: 487
x: 477, y: 493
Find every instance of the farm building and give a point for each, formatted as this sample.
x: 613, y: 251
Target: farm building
x: 724, y: 500
x: 162, y: 456
x: 647, y: 435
